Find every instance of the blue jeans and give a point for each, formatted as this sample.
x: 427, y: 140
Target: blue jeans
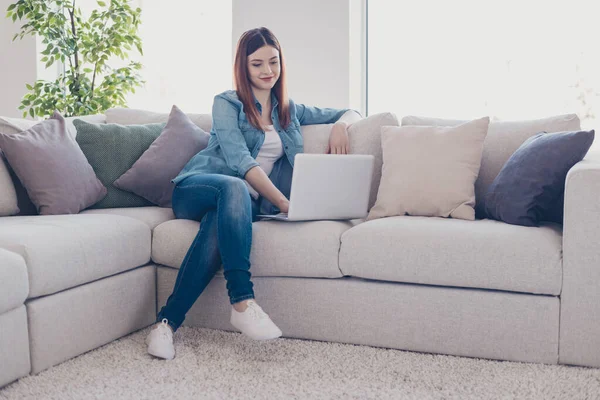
x: 226, y: 210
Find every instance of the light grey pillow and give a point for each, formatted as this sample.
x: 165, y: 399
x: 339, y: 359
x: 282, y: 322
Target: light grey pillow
x: 11, y: 126
x: 52, y: 167
x: 150, y: 176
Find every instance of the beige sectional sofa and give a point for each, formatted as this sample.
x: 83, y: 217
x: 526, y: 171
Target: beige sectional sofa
x: 72, y: 283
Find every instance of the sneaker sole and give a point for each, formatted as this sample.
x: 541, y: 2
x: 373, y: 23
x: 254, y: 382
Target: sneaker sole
x: 255, y: 338
x: 260, y: 339
x: 270, y: 338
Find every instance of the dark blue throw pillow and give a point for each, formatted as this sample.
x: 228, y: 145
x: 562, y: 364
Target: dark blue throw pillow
x: 530, y: 187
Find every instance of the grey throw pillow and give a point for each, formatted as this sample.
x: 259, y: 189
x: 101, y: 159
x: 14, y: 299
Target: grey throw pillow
x: 16, y: 125
x: 111, y: 150
x: 151, y: 175
x: 530, y: 187
x: 52, y: 168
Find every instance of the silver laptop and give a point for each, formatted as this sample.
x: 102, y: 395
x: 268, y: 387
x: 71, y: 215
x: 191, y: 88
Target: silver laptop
x: 329, y: 186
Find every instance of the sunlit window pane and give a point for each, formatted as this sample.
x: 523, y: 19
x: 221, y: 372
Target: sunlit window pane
x: 510, y: 59
x: 187, y: 54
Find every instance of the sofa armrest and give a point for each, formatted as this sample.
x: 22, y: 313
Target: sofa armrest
x: 580, y: 298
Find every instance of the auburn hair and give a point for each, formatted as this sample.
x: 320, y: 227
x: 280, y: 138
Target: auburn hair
x: 249, y: 42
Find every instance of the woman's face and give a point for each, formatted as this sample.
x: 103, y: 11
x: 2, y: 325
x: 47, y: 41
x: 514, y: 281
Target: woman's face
x: 264, y: 67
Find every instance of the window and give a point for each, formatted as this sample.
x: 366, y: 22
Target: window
x: 187, y: 54
x: 510, y: 59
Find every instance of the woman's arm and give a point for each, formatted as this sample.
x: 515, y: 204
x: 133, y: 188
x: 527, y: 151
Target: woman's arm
x: 259, y: 180
x: 230, y: 137
x: 308, y: 115
x: 237, y: 155
x: 339, y: 142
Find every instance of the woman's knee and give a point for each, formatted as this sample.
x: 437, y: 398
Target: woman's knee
x: 235, y: 187
x: 196, y: 194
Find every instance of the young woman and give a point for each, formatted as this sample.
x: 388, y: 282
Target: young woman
x: 254, y: 128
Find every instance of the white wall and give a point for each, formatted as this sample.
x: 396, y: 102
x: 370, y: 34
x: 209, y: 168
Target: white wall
x: 316, y: 42
x: 17, y: 64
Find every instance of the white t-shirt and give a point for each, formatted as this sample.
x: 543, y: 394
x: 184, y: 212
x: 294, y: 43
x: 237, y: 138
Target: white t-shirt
x: 270, y: 152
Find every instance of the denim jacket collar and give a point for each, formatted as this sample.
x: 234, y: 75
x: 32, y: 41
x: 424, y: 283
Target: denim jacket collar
x: 274, y: 101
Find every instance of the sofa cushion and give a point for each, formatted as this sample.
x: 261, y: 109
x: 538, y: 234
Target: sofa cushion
x: 63, y: 251
x: 131, y: 116
x: 8, y: 194
x: 26, y: 207
x: 14, y: 285
x: 300, y: 249
x: 151, y: 216
x: 482, y: 254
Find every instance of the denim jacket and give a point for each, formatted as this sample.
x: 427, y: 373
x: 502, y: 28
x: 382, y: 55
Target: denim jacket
x: 234, y: 143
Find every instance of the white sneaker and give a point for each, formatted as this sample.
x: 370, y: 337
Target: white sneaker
x: 160, y: 341
x: 254, y: 322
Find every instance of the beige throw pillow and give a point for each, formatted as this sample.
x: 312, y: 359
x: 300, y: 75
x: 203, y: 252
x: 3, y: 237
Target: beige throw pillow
x: 430, y: 170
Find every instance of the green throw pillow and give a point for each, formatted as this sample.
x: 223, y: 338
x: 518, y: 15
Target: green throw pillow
x: 111, y: 150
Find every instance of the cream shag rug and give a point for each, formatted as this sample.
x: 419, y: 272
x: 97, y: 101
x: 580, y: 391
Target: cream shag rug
x: 213, y: 364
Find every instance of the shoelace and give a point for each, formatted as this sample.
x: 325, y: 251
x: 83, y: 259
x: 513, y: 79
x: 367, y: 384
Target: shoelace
x: 256, y: 311
x: 164, y: 329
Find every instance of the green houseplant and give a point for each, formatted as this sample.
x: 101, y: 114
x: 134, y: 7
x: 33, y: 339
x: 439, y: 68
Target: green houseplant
x: 84, y: 46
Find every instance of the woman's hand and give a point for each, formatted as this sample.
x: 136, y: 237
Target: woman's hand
x: 284, y: 206
x: 338, y: 139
